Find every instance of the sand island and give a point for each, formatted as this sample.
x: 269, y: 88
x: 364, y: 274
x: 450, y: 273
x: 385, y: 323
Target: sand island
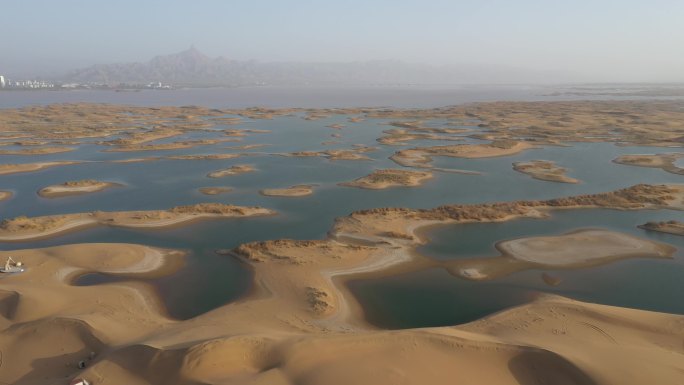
x: 544, y: 170
x: 215, y: 190
x: 78, y: 187
x: 382, y: 179
x: 422, y: 156
x: 24, y: 228
x: 292, y: 191
x: 233, y: 170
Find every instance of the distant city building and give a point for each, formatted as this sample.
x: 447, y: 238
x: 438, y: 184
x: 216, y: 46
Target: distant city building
x: 26, y: 84
x: 2, y: 81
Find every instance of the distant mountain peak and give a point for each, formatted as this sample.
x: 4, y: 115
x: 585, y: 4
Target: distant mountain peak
x: 193, y: 52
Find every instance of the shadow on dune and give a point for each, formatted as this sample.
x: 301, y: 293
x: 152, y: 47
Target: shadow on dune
x: 542, y: 367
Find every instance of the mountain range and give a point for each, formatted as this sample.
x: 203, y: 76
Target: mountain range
x: 192, y: 68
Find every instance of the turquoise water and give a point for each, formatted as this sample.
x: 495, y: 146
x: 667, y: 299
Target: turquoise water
x: 210, y: 280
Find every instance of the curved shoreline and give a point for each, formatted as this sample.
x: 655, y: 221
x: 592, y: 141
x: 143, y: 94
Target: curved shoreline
x: 299, y: 298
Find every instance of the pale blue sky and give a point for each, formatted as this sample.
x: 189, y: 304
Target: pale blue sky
x: 603, y: 40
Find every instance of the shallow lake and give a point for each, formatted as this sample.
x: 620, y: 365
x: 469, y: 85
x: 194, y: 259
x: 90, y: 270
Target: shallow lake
x: 422, y: 298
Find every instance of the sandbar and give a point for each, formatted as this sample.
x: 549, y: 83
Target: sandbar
x: 583, y: 247
x: 4, y: 195
x: 75, y: 188
x: 37, y: 151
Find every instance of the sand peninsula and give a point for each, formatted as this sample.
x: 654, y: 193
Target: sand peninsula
x: 214, y: 190
x: 233, y: 170
x: 5, y: 195
x: 78, y: 187
x: 387, y: 178
x: 300, y: 324
x: 668, y: 227
x: 6, y: 169
x: 23, y: 228
x: 292, y: 191
x: 422, y: 156
x: 544, y: 170
x: 665, y: 162
x: 37, y: 151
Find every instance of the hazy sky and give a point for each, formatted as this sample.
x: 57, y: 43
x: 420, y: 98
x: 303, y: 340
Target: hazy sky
x: 601, y: 40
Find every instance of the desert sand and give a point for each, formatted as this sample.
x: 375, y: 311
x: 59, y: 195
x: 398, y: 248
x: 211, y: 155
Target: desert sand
x: 79, y: 187
x: 669, y: 227
x: 292, y: 191
x: 215, y: 190
x: 25, y: 228
x: 382, y: 179
x: 544, y: 170
x: 300, y: 325
x: 233, y: 170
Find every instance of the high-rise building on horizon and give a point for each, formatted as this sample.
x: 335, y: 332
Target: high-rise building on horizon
x: 2, y: 81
